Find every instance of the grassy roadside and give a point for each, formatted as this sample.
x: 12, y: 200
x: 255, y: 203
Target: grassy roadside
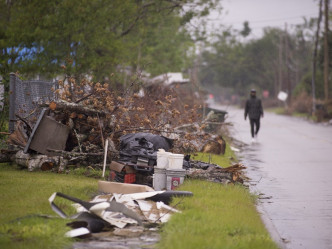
x: 217, y: 216
x: 224, y: 160
x: 25, y: 194
x: 283, y: 111
x: 276, y: 110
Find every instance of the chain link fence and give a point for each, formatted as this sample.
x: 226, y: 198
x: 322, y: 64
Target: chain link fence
x: 26, y: 95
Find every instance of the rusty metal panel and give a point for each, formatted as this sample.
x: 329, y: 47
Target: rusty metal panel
x: 48, y: 134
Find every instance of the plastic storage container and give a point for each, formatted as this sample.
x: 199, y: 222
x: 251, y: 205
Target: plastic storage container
x: 162, y: 159
x: 159, y: 179
x: 174, y: 178
x: 175, y: 161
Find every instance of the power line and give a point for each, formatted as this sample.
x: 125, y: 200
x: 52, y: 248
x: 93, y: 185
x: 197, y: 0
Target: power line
x: 275, y: 25
x: 264, y: 21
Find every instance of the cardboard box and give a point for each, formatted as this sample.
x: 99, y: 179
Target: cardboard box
x: 122, y: 188
x: 118, y: 167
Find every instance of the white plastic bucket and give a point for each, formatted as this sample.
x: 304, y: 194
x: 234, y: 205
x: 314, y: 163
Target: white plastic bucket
x: 162, y: 159
x: 174, y: 178
x: 159, y: 179
x: 175, y: 161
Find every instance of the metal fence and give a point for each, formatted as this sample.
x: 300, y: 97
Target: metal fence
x: 25, y: 96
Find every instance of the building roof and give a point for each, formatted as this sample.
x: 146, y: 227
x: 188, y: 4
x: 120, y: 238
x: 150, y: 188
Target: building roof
x: 169, y: 79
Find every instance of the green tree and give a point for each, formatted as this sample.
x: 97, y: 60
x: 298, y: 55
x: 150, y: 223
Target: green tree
x: 277, y: 61
x: 246, y: 29
x: 96, y: 36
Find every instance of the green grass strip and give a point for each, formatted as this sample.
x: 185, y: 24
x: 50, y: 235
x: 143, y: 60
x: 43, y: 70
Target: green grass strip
x: 221, y: 160
x: 25, y: 194
x: 217, y: 216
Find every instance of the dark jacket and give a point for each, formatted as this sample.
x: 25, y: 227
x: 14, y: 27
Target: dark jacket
x: 254, y: 108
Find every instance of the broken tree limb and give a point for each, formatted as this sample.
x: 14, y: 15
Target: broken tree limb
x: 4, y: 133
x: 84, y: 158
x: 101, y: 130
x: 73, y: 107
x: 74, y: 154
x: 79, y: 158
x: 217, y: 123
x: 25, y: 122
x: 37, y: 161
x: 137, y: 129
x: 19, y: 136
x: 83, y: 98
x: 78, y: 141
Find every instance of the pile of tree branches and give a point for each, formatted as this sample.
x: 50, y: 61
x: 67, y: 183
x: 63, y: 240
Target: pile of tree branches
x: 95, y: 112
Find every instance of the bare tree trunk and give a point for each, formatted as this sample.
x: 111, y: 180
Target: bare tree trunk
x: 326, y: 51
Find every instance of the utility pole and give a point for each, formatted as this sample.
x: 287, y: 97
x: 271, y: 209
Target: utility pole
x: 280, y: 61
x: 288, y: 80
x: 326, y: 50
x: 314, y: 59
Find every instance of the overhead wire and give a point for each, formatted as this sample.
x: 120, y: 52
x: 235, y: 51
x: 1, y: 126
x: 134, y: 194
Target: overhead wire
x: 266, y: 20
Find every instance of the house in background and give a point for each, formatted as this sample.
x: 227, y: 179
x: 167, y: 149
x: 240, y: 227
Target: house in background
x: 169, y: 78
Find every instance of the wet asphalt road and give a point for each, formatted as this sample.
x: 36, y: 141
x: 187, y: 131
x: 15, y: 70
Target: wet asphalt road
x: 291, y: 165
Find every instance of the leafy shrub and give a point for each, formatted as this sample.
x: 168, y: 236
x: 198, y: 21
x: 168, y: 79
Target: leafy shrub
x: 302, y: 103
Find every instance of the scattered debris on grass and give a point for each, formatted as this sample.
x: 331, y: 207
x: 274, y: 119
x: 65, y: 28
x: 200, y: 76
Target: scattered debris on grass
x: 108, y: 211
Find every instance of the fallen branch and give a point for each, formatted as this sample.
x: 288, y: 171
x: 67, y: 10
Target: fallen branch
x: 4, y: 133
x: 83, y: 98
x: 74, y: 154
x: 25, y: 122
x: 36, y: 161
x: 150, y: 129
x: 73, y: 107
x: 101, y: 131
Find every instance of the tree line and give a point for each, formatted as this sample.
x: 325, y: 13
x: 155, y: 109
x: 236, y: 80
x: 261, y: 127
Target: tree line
x: 103, y: 39
x: 96, y: 37
x: 281, y: 60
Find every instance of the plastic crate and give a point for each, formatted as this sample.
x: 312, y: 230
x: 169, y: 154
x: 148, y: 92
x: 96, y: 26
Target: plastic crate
x: 130, y: 178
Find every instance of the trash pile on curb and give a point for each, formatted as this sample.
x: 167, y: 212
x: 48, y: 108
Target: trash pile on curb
x: 142, y: 137
x: 83, y: 117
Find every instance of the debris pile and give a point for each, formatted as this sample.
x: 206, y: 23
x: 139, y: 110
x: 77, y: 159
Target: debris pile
x: 73, y: 129
x: 114, y: 211
x: 215, y: 173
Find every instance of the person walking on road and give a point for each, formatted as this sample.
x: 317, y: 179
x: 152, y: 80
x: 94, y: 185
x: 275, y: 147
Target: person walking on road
x: 254, y: 109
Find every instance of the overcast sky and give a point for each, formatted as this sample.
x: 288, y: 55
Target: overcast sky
x: 262, y: 13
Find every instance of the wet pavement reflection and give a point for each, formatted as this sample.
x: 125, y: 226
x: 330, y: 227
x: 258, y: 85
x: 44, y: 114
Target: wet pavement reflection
x: 291, y: 168
x: 106, y: 240
x: 127, y: 239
